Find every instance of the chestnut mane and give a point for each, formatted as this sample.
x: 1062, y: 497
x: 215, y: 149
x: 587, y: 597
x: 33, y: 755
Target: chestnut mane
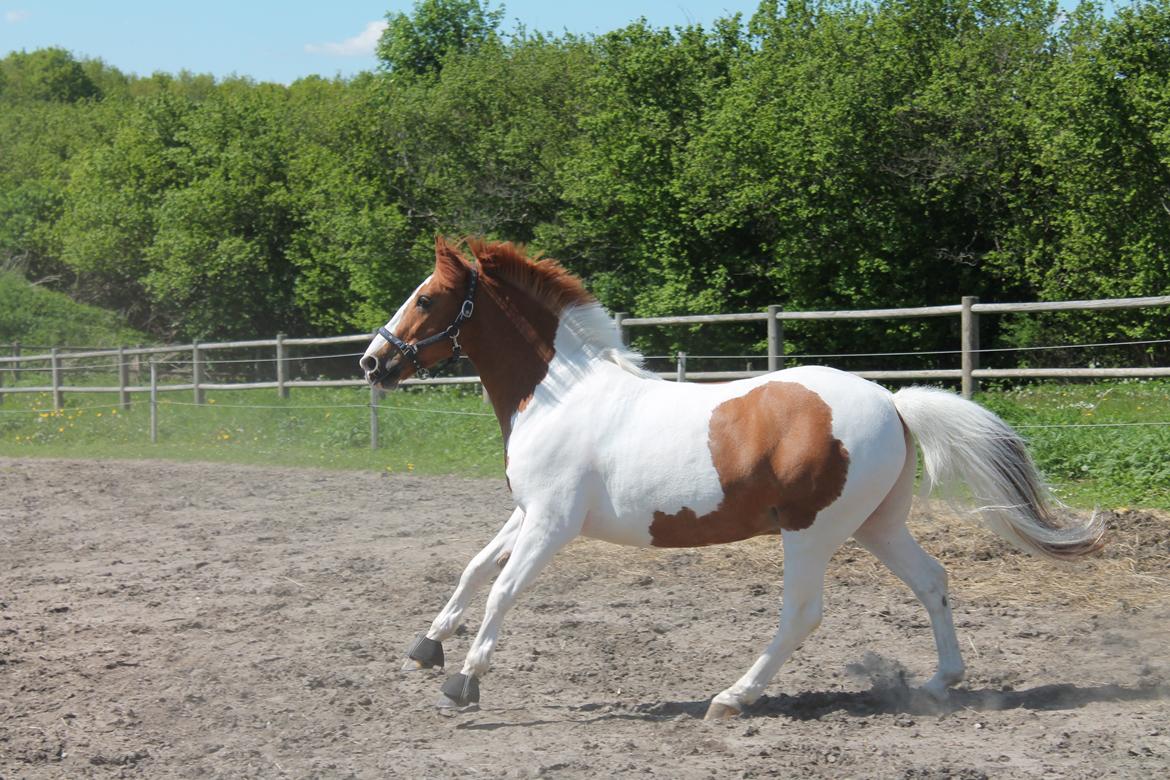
x: 545, y: 279
x: 564, y: 295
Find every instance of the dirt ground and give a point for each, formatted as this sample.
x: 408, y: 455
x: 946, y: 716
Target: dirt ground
x: 188, y: 620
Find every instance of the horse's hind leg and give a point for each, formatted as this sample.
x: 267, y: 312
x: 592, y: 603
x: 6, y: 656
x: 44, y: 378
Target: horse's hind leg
x: 427, y: 650
x: 806, y: 555
x: 885, y: 535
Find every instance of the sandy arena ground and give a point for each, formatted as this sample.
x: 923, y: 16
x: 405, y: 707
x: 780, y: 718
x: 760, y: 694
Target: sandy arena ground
x: 188, y: 620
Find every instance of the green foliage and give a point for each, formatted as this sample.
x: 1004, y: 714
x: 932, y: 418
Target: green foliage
x: 38, y: 317
x: 418, y: 43
x: 822, y: 154
x: 45, y: 74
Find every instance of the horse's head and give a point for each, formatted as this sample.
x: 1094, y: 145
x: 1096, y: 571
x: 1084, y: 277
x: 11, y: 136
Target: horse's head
x: 426, y: 328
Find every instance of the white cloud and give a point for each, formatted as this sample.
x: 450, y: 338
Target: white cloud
x: 15, y: 17
x: 361, y: 45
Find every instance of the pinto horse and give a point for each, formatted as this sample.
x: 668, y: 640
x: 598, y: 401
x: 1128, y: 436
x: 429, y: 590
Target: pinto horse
x: 596, y: 446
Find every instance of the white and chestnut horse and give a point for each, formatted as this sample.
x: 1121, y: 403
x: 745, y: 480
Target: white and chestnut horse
x: 596, y: 446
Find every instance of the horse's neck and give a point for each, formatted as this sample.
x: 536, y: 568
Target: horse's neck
x: 511, y: 344
x: 525, y: 354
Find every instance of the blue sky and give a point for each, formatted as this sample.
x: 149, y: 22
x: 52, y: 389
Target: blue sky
x: 282, y: 41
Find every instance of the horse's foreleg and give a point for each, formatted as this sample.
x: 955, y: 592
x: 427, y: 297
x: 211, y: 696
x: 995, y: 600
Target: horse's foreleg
x: 427, y: 649
x: 806, y: 557
x: 538, y: 541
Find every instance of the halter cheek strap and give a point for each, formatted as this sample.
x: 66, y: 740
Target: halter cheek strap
x: 411, y: 351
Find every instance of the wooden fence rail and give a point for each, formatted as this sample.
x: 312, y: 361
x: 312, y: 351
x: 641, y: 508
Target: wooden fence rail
x: 968, y: 373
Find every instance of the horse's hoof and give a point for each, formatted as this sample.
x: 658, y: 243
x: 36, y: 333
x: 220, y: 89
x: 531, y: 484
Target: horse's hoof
x: 446, y: 704
x: 423, y: 653
x: 719, y: 711
x: 460, y: 690
x: 938, y: 693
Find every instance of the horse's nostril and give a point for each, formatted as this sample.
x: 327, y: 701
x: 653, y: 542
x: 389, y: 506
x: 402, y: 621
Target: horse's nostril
x: 368, y: 363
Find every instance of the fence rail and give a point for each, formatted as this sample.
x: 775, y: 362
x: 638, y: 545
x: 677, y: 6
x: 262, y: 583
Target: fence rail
x: 968, y: 373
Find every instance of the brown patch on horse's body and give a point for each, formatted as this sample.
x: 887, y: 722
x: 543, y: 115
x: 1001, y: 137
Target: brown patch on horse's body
x: 778, y: 464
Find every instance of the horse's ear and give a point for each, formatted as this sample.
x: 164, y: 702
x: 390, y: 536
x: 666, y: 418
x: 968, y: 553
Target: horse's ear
x: 449, y: 264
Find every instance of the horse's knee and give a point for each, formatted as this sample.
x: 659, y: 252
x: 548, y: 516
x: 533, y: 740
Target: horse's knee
x: 802, y: 618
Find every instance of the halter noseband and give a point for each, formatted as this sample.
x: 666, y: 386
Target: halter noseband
x: 410, y: 351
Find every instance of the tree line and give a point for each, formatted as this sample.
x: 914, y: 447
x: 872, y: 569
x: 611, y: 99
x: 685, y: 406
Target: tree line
x: 816, y: 155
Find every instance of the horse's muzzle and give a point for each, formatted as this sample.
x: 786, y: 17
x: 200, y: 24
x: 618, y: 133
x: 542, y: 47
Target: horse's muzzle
x: 379, y: 373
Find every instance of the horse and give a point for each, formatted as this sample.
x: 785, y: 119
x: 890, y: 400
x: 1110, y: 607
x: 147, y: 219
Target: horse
x: 595, y: 445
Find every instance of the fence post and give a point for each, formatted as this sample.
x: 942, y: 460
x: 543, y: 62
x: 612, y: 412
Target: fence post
x: 682, y: 367
x: 55, y: 371
x: 281, y: 390
x: 618, y: 319
x: 775, y: 339
x: 123, y: 378
x: 969, y: 334
x: 153, y: 401
x: 197, y: 373
x: 373, y: 417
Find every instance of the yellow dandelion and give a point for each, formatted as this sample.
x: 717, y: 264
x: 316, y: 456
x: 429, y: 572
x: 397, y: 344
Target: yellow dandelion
x: 60, y: 430
x: 210, y: 400
x: 44, y: 415
x: 113, y: 411
x: 410, y: 467
x: 99, y: 414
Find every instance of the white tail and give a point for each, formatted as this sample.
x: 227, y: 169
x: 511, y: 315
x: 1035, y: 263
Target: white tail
x: 963, y: 443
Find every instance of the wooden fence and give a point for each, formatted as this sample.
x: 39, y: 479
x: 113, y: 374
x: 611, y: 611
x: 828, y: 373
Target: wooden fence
x: 968, y: 310
x: 129, y: 360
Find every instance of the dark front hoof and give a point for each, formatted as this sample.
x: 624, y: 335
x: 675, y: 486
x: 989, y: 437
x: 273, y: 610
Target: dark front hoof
x: 424, y: 654
x: 461, y: 690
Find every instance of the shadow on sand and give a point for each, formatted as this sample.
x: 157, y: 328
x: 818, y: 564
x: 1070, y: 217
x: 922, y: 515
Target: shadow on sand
x: 812, y: 705
x: 890, y: 694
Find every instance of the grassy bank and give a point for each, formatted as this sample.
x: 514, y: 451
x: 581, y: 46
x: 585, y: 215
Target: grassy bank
x: 450, y: 430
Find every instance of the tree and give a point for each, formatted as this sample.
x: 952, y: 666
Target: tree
x: 45, y: 74
x: 416, y: 44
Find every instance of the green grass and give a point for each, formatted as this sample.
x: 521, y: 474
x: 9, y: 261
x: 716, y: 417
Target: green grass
x: 1105, y: 466
x: 436, y: 431
x: 451, y: 430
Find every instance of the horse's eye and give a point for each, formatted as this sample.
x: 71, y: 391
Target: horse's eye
x: 424, y: 302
